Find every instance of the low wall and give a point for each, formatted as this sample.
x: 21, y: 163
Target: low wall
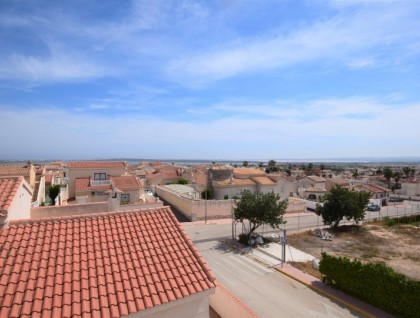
x: 196, y: 209
x: 225, y: 304
x: 136, y: 206
x: 67, y: 210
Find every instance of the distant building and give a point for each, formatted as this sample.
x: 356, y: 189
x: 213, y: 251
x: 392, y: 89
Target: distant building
x: 15, y: 200
x: 99, y: 173
x: 27, y: 171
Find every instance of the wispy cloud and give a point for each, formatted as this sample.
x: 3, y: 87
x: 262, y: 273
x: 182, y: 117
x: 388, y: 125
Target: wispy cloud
x: 152, y: 136
x: 346, y: 38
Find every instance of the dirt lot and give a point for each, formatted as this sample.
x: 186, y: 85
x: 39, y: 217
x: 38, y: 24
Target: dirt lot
x: 398, y: 246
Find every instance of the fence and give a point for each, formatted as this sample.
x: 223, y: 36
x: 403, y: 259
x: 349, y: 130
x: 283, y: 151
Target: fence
x: 302, y: 222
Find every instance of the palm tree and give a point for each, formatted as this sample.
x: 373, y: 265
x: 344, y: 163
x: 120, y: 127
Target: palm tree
x: 388, y: 174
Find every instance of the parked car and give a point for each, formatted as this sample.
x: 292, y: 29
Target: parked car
x: 373, y: 207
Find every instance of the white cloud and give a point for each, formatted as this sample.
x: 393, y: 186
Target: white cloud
x: 391, y: 130
x: 348, y: 38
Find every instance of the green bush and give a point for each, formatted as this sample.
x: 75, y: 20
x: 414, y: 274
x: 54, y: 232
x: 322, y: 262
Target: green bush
x: 373, y: 283
x: 406, y: 219
x: 226, y: 197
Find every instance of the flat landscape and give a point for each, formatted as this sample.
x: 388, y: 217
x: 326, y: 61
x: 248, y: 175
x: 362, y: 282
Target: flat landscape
x: 398, y: 246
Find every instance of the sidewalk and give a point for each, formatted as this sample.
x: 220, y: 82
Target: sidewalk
x: 270, y: 255
x: 336, y: 295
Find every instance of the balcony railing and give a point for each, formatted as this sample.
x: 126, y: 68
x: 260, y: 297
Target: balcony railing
x: 99, y: 182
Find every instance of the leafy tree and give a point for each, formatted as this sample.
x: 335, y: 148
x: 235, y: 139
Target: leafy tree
x: 388, y: 174
x: 343, y: 203
x: 407, y: 171
x: 322, y: 167
x: 261, y: 164
x: 53, y: 192
x: 271, y: 166
x: 397, y: 178
x: 379, y: 171
x: 245, y: 163
x: 259, y: 209
x: 310, y: 166
x: 182, y: 181
x: 355, y: 173
x: 207, y: 194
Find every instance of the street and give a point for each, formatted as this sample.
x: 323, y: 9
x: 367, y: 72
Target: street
x: 266, y: 291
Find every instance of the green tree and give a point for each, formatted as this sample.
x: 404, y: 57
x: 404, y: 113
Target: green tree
x: 388, y: 174
x: 207, y: 194
x: 53, y: 192
x: 182, y: 181
x: 397, y: 178
x: 310, y: 166
x: 322, y: 167
x: 245, y: 163
x: 259, y: 209
x: 355, y: 173
x: 271, y: 166
x: 343, y: 203
x: 407, y: 171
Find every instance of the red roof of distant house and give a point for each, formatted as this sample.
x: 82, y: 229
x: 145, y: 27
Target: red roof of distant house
x: 14, y: 170
x: 8, y: 189
x: 373, y: 188
x: 96, y: 164
x: 83, y: 184
x: 48, y: 178
x: 125, y: 182
x: 105, y: 266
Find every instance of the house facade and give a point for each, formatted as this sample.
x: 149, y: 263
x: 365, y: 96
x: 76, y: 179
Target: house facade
x: 28, y: 171
x: 99, y: 173
x: 15, y: 199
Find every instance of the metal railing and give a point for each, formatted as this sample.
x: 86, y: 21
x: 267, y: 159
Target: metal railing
x: 99, y: 182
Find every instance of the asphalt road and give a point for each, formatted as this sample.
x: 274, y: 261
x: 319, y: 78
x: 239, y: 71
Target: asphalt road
x: 267, y: 292
x: 215, y: 230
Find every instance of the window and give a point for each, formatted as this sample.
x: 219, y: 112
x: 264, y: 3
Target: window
x: 99, y: 176
x: 125, y: 198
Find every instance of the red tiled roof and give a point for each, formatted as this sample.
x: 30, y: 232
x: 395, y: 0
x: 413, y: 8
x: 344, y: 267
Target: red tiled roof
x: 263, y: 181
x: 8, y: 189
x: 13, y: 170
x: 235, y: 182
x: 48, y: 178
x: 83, y: 184
x: 248, y: 171
x: 126, y: 182
x: 105, y: 266
x: 373, y: 188
x: 96, y: 164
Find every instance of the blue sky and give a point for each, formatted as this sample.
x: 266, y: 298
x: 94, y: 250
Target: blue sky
x: 221, y: 79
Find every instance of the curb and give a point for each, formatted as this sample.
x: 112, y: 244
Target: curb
x: 325, y: 293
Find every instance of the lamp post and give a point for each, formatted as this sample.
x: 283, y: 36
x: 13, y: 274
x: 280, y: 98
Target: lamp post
x: 205, y: 207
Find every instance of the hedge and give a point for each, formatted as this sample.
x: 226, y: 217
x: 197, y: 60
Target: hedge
x: 373, y: 283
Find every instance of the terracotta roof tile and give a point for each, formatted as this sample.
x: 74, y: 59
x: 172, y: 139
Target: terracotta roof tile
x: 8, y: 188
x: 96, y: 164
x: 15, y: 170
x: 235, y: 182
x: 83, y: 184
x: 263, y: 180
x: 125, y: 183
x: 109, y: 266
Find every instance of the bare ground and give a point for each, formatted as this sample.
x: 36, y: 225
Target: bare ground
x: 397, y: 246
